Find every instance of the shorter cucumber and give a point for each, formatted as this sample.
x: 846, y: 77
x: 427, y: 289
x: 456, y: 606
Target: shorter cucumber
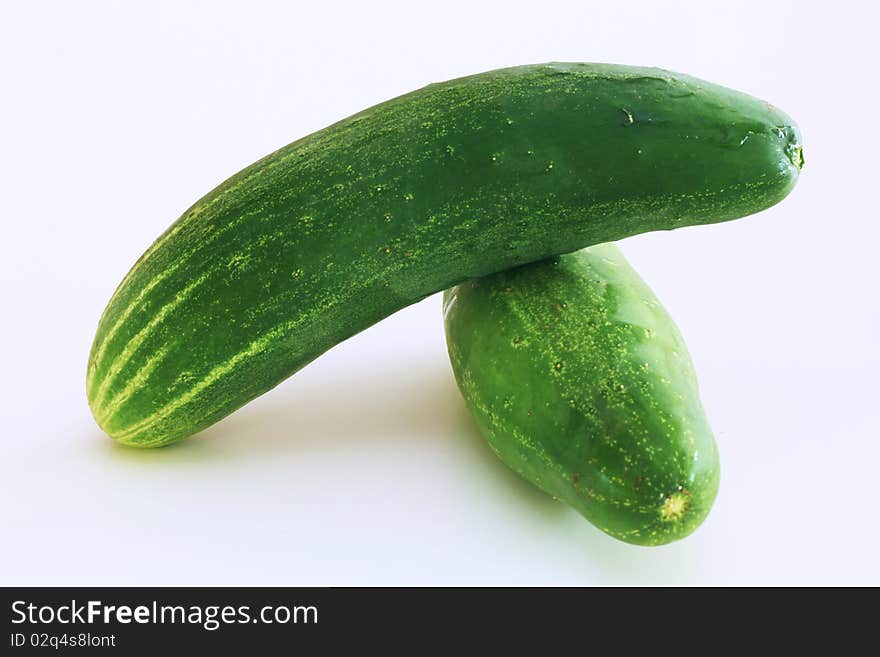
x: 582, y: 384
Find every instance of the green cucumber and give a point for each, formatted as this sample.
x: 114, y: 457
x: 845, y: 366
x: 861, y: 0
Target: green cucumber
x: 334, y: 232
x: 582, y: 384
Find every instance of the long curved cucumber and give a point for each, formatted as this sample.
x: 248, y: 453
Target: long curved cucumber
x: 334, y: 232
x: 583, y: 385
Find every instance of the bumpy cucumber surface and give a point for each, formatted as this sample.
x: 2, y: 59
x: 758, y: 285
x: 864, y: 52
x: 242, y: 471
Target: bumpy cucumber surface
x: 334, y: 232
x: 583, y: 385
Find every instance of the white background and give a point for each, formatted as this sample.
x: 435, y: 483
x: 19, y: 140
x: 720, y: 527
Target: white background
x: 364, y: 467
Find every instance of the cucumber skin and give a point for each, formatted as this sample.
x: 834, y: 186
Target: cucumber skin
x: 582, y: 384
x: 334, y: 232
